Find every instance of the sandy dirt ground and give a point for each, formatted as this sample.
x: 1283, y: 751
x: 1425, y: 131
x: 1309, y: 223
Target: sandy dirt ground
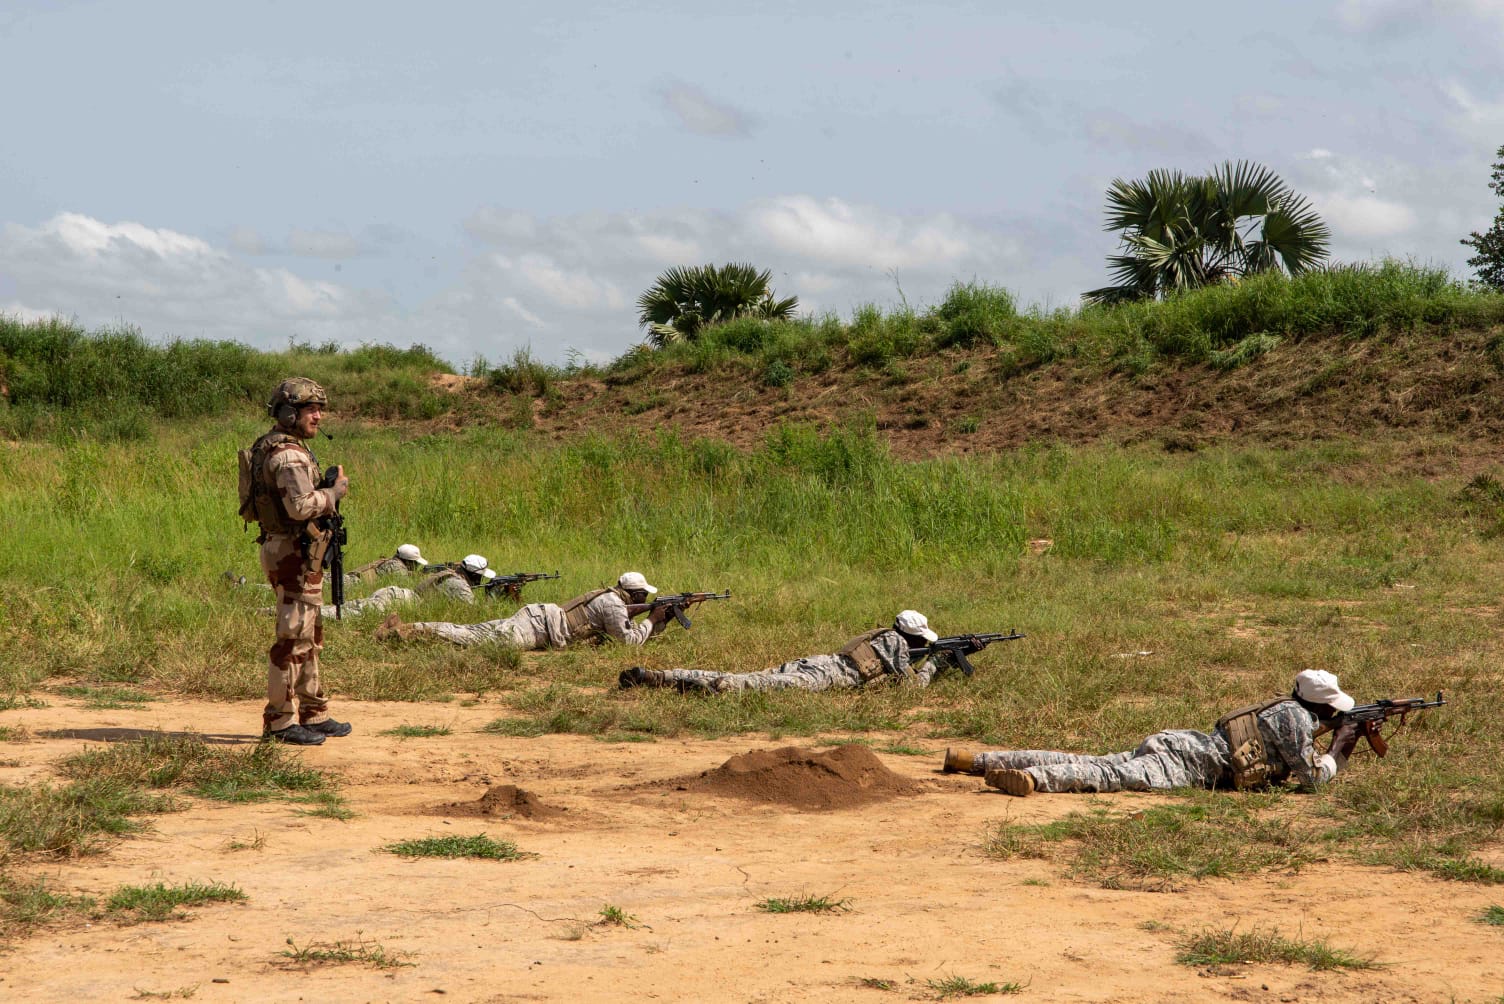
x: 637, y: 827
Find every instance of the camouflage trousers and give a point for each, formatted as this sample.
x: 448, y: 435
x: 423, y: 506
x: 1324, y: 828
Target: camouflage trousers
x: 293, y: 691
x: 1182, y: 758
x: 534, y: 627
x: 382, y: 598
x: 814, y: 672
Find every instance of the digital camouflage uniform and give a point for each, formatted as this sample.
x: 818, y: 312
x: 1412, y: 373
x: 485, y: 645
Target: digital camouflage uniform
x: 599, y: 614
x: 381, y: 599
x: 1181, y: 758
x: 851, y: 667
x: 289, y: 475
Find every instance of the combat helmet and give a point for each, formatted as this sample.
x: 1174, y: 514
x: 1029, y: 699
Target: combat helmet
x: 293, y: 394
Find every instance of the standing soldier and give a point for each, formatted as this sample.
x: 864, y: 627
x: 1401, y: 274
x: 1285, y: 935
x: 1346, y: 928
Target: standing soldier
x: 279, y: 479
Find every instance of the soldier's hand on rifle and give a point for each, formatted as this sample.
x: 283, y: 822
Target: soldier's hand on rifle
x: 341, y: 486
x: 1345, y: 739
x: 658, y: 615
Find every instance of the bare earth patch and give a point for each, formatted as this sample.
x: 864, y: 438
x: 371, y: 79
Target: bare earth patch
x: 687, y: 837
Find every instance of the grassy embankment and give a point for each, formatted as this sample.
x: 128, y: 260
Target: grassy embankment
x: 1231, y: 568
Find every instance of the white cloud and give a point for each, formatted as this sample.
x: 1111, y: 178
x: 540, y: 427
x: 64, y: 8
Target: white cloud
x: 1362, y: 203
x: 1475, y: 119
x: 838, y: 233
x: 1390, y: 15
x: 172, y: 284
x: 698, y: 113
x: 556, y: 283
x: 1365, y: 216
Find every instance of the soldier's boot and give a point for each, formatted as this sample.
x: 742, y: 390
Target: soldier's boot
x: 1011, y: 782
x: 294, y: 735
x: 639, y: 677
x: 329, y: 727
x: 960, y: 760
x: 393, y: 627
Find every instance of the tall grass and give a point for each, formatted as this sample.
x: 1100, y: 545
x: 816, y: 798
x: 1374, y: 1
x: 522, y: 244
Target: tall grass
x: 1228, y: 325
x: 113, y: 384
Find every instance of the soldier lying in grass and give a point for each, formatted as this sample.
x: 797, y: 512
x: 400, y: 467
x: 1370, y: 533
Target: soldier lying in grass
x: 596, y: 615
x: 1260, y: 744
x: 880, y: 654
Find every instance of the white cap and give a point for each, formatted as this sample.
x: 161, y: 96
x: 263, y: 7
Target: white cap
x: 635, y: 580
x: 410, y: 552
x: 1320, y: 687
x: 914, y: 622
x: 475, y: 563
x: 488, y: 574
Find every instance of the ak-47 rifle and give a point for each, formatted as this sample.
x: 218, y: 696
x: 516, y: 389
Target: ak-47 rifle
x: 334, y: 556
x: 676, y: 604
x: 1370, y: 718
x: 955, y: 649
x: 511, y: 585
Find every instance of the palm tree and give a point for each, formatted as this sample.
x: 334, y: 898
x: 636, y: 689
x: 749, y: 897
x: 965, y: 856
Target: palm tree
x: 1182, y: 232
x: 686, y: 300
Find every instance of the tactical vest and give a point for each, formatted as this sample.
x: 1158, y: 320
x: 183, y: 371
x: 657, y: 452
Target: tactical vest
x: 577, y: 619
x: 260, y: 501
x: 862, y: 655
x: 1250, y: 767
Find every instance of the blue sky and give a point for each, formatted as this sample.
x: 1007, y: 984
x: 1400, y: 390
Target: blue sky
x: 483, y: 177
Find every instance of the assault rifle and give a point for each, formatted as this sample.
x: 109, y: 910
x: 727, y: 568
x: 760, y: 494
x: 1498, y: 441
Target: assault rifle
x: 1370, y: 718
x: 334, y: 555
x: 675, y: 604
x: 955, y: 649
x: 511, y: 585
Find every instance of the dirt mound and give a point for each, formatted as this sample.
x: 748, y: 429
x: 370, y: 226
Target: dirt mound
x: 503, y: 800
x: 837, y: 778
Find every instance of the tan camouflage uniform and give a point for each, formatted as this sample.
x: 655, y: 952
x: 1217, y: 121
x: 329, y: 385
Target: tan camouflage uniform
x: 291, y: 473
x: 537, y: 626
x: 1180, y: 758
x: 451, y: 583
x: 376, y: 570
x: 813, y: 672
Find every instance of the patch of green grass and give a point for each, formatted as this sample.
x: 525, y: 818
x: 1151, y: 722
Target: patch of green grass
x: 615, y: 916
x: 26, y: 905
x: 224, y: 773
x: 960, y: 986
x: 70, y: 821
x: 160, y: 901
x: 368, y: 953
x: 14, y: 734
x: 876, y: 983
x: 804, y: 903
x: 416, y: 731
x: 1493, y: 916
x: 1209, y: 835
x: 11, y: 702
x: 1210, y: 948
x: 326, y: 805
x: 107, y: 698
x: 477, y: 846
